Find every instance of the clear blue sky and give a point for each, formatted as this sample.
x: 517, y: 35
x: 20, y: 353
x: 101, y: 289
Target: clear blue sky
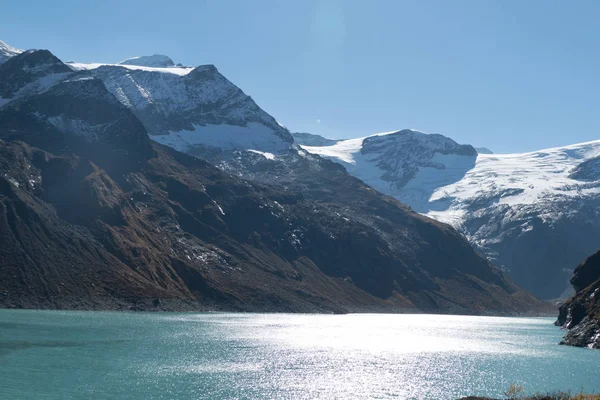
x: 510, y: 75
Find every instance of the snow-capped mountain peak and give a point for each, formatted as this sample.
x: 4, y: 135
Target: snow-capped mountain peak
x: 191, y: 109
x: 155, y: 61
x: 389, y: 161
x: 7, y: 51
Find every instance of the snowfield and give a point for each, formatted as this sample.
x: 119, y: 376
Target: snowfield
x: 522, y: 179
x: 511, y: 179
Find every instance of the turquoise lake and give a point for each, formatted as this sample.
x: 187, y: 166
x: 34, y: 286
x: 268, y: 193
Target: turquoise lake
x: 111, y: 355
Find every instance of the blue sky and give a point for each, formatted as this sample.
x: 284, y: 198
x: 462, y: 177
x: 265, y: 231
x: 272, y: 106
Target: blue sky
x: 508, y: 75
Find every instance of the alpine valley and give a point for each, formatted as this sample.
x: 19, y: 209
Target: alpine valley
x: 150, y: 185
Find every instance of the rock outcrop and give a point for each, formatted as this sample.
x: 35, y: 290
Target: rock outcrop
x: 581, y: 314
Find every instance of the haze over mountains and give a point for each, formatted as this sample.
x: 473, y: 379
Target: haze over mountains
x: 94, y: 214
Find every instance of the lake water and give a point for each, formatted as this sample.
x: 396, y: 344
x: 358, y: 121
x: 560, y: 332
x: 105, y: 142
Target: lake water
x: 108, y: 355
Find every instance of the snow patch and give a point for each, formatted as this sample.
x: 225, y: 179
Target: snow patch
x: 268, y: 156
x: 219, y: 207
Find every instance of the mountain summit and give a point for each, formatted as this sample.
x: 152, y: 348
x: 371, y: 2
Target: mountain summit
x: 155, y: 61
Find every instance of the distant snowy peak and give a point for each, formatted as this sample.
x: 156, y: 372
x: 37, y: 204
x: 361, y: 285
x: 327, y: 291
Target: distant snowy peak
x: 483, y: 150
x: 389, y: 161
x: 154, y: 61
x: 408, y: 142
x: 310, y: 139
x: 7, y: 51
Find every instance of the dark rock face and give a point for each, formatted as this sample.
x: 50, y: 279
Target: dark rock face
x: 540, y: 258
x: 80, y: 115
x: 581, y: 314
x: 587, y: 171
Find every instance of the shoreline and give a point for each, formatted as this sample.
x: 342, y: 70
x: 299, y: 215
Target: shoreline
x: 288, y: 312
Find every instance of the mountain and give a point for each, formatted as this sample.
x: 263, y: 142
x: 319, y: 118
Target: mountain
x: 7, y: 51
x: 155, y: 60
x: 581, y: 314
x: 95, y: 215
x: 30, y: 72
x: 483, y: 150
x: 192, y: 109
x: 534, y: 214
x: 310, y: 139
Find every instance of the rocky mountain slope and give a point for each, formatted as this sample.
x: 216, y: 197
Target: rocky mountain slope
x: 93, y: 214
x: 581, y: 314
x: 29, y: 73
x: 534, y: 214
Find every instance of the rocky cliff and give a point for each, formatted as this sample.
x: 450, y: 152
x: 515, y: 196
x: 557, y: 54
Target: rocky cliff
x: 581, y: 314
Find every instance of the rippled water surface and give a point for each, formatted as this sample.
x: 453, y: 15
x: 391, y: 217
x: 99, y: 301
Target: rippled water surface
x: 91, y: 355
